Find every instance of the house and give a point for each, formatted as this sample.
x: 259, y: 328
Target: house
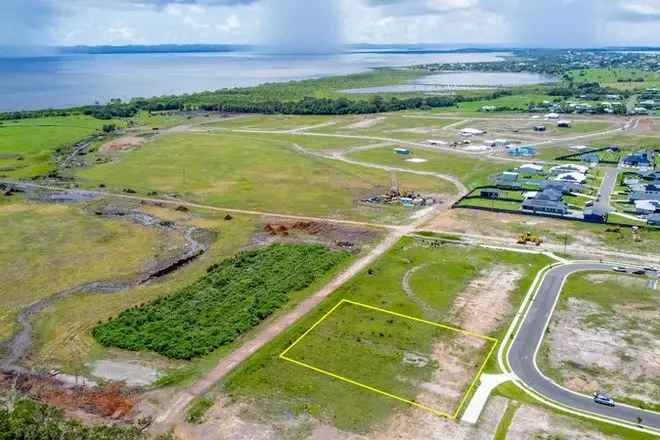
x: 596, y: 215
x: 591, y: 158
x: 523, y: 151
x: 488, y: 108
x: 641, y: 159
x: 563, y: 186
x: 646, y: 207
x: 564, y: 123
x: 644, y: 195
x: 545, y: 206
x: 578, y: 147
x: 467, y: 132
x: 550, y: 194
x: 530, y: 168
x: 653, y: 219
x: 572, y: 177
x: 539, y: 128
x: 650, y: 175
x: 490, y: 193
x: 630, y: 181
x: 552, y: 116
x: 568, y: 168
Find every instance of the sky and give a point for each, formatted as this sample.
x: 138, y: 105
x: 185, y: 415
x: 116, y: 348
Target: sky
x: 307, y: 25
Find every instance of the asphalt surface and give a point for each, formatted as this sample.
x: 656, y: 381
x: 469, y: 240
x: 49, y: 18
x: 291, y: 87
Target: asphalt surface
x: 606, y: 189
x: 523, y: 351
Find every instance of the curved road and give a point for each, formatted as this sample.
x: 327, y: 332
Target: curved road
x: 522, y: 353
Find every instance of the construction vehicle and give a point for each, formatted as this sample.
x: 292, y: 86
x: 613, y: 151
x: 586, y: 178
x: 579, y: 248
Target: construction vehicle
x: 528, y: 237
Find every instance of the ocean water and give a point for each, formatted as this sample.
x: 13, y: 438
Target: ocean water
x: 81, y: 79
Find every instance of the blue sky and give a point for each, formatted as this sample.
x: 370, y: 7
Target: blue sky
x: 323, y: 23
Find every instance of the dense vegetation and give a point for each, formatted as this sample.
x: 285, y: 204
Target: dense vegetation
x: 28, y: 420
x: 233, y: 297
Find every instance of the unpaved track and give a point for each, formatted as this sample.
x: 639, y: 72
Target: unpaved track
x: 174, y: 414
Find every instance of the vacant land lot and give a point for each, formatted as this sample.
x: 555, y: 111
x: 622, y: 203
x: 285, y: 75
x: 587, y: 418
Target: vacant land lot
x: 604, y: 337
x: 48, y: 248
x: 27, y: 145
x: 441, y: 285
x: 239, y: 171
x: 471, y: 170
x: 412, y: 360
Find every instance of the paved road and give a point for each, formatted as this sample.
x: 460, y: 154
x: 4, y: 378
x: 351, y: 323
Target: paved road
x: 606, y: 189
x: 523, y: 352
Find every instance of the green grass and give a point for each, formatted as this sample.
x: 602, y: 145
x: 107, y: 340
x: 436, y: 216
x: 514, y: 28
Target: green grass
x: 235, y: 296
x: 505, y: 421
x: 27, y: 145
x: 246, y: 172
x: 515, y: 102
x: 282, y: 387
x: 196, y: 412
x: 48, y: 248
x: 472, y: 171
x: 490, y: 203
x: 275, y: 122
x: 620, y: 78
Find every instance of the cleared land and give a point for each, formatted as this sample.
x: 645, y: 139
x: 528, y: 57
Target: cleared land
x: 277, y: 387
x: 51, y: 247
x: 239, y: 171
x: 472, y: 171
x: 27, y: 146
x: 604, y: 337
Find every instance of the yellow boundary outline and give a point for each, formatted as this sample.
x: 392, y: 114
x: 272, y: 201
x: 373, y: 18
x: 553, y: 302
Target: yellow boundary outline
x: 494, y: 341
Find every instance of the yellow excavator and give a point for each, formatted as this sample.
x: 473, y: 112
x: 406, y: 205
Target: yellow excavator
x: 528, y: 237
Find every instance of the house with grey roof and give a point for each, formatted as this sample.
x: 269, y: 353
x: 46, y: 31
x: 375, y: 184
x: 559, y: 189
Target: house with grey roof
x: 545, y: 206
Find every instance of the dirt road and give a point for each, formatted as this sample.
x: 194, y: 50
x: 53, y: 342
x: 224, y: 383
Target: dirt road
x: 175, y: 413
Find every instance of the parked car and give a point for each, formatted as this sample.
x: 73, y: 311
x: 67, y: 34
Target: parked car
x: 603, y: 399
x: 620, y: 269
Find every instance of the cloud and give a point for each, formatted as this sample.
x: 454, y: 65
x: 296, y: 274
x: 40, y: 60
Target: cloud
x: 312, y: 26
x: 25, y: 22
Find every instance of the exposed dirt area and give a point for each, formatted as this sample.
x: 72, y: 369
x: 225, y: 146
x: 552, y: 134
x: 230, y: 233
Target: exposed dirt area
x: 246, y: 422
x: 592, y: 349
x: 333, y: 235
x: 484, y: 304
x: 647, y: 126
x: 366, y: 123
x: 110, y: 401
x: 456, y: 358
x: 122, y: 144
x: 131, y: 373
x: 530, y: 422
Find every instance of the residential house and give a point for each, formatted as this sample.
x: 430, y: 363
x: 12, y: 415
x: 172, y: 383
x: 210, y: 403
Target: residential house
x: 545, y: 206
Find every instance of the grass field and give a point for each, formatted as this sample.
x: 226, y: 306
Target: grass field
x: 621, y: 79
x: 390, y: 354
x: 48, y: 248
x: 241, y: 171
x: 67, y: 342
x: 27, y: 145
x: 472, y: 171
x: 282, y: 387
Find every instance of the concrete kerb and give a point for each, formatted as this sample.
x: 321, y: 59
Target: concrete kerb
x: 504, y: 365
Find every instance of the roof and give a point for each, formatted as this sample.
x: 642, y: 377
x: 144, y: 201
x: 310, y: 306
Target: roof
x: 531, y: 166
x: 541, y: 203
x: 572, y: 177
x: 550, y: 194
x: 639, y: 195
x: 570, y: 167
